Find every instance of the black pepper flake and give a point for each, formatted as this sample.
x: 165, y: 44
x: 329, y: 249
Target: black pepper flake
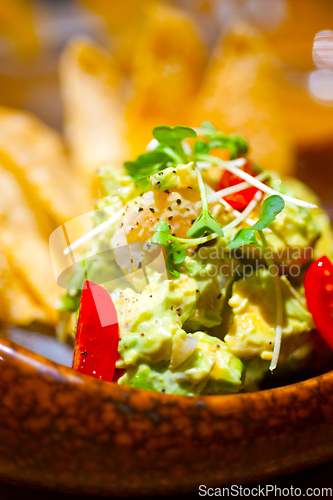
x: 158, y: 183
x: 157, y: 218
x: 171, y: 307
x: 152, y: 210
x: 150, y: 296
x: 170, y: 218
x: 193, y: 221
x: 178, y: 201
x: 137, y: 223
x: 140, y: 265
x: 173, y: 234
x: 121, y: 225
x: 163, y: 390
x: 218, y: 346
x: 174, y: 172
x: 84, y: 353
x: 140, y: 209
x: 170, y: 209
x: 189, y: 187
x: 167, y: 191
x: 219, y: 296
x: 178, y: 314
x: 197, y: 290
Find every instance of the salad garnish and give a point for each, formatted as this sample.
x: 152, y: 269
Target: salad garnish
x: 205, y: 222
x: 169, y: 151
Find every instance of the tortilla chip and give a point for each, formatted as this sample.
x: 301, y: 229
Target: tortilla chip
x: 17, y: 306
x: 27, y: 252
x: 93, y: 107
x: 240, y: 95
x: 123, y: 21
x: 167, y: 66
x: 36, y: 155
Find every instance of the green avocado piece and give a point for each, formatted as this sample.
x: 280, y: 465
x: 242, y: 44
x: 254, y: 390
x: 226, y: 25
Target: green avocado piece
x: 324, y: 245
x: 214, y: 269
x: 148, y: 321
x: 252, y: 332
x: 180, y: 177
x: 210, y: 369
x: 156, y: 351
x: 294, y: 232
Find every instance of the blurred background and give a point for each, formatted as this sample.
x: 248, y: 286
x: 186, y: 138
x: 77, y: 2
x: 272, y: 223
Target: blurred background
x: 82, y: 84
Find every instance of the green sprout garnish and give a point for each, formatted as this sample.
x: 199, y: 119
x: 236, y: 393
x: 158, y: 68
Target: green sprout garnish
x: 175, y: 248
x: 271, y: 207
x: 236, y: 144
x: 205, y: 222
x: 170, y: 151
x: 145, y: 165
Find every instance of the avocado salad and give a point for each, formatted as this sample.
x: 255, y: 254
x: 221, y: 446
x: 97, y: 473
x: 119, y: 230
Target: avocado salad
x: 203, y: 255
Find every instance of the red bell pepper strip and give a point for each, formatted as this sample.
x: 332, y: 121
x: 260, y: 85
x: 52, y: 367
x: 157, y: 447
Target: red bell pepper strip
x: 97, y: 337
x: 318, y: 285
x: 239, y: 201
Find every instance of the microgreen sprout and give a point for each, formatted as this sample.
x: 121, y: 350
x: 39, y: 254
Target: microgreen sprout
x: 175, y: 248
x: 205, y: 222
x: 169, y: 151
x: 236, y: 144
x: 271, y: 207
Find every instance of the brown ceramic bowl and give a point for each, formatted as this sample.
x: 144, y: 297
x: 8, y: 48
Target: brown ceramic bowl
x: 63, y: 431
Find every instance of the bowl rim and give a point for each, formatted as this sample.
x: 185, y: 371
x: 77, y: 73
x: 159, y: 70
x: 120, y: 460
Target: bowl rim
x: 47, y: 367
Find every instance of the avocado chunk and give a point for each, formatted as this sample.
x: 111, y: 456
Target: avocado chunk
x: 156, y: 351
x: 252, y: 332
x: 180, y: 177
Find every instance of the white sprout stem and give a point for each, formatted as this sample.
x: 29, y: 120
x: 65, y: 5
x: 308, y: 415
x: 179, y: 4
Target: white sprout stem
x: 96, y: 230
x: 233, y: 189
x: 251, y: 206
x: 203, y: 191
x: 252, y: 180
x: 279, y: 304
x: 234, y: 212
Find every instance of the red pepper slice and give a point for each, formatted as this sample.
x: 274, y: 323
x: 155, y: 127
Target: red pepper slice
x: 318, y: 285
x: 239, y: 201
x: 97, y: 337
